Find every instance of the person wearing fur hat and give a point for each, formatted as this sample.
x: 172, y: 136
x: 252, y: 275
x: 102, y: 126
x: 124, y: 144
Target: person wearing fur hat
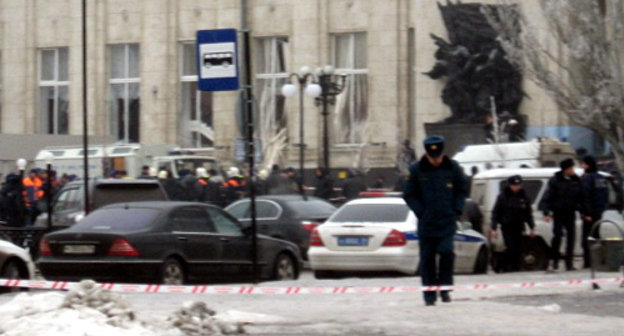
x: 436, y: 191
x: 596, y: 191
x: 563, y: 198
x: 512, y: 211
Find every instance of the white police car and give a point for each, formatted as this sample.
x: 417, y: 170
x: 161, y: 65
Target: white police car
x: 379, y: 234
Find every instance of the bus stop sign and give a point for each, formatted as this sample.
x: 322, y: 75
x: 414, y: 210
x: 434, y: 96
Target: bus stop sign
x: 217, y: 65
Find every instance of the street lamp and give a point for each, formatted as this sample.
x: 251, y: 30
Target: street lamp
x: 21, y: 165
x: 311, y: 89
x: 331, y: 86
x: 48, y: 158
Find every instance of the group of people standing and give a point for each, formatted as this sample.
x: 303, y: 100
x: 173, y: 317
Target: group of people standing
x: 566, y: 195
x: 21, y: 203
x: 436, y: 190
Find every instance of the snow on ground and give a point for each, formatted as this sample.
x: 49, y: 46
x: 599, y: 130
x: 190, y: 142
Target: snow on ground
x: 90, y: 311
x: 480, y: 313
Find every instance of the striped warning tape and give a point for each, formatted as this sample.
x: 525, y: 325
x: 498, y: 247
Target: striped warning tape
x: 260, y: 290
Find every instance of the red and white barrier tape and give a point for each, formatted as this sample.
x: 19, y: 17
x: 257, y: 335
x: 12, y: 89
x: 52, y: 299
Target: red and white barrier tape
x: 246, y: 290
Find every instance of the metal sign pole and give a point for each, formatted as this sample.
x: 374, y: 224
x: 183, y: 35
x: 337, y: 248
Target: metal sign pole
x: 250, y: 153
x: 85, y: 123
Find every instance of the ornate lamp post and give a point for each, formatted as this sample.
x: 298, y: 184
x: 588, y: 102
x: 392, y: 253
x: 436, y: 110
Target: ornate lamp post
x: 331, y: 86
x: 304, y: 78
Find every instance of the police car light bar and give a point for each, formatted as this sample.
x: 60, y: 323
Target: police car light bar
x: 380, y: 193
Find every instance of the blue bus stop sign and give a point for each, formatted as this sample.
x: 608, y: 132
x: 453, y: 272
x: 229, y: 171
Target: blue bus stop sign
x: 217, y: 60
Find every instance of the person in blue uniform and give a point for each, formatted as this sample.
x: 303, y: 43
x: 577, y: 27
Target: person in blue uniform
x: 435, y: 191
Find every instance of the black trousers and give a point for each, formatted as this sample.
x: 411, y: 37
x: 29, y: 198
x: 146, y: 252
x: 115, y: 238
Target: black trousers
x: 563, y: 221
x: 433, y: 273
x: 513, y: 241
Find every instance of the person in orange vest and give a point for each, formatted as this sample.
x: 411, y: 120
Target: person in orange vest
x: 33, y: 192
x: 234, y: 186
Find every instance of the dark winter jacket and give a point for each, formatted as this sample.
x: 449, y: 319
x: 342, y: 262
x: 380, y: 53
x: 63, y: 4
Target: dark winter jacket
x: 436, y: 195
x: 512, y: 210
x: 353, y: 186
x: 596, y: 191
x: 324, y: 186
x: 563, y: 195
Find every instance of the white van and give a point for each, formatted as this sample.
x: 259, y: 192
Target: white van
x: 129, y: 157
x: 485, y: 189
x: 540, y: 152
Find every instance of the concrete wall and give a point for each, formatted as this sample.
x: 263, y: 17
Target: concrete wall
x: 159, y: 26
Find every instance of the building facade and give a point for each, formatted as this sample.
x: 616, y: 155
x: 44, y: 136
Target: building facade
x: 142, y: 82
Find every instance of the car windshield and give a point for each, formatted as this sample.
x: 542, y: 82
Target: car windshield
x: 312, y: 208
x: 119, y: 219
x: 109, y: 193
x: 385, y: 213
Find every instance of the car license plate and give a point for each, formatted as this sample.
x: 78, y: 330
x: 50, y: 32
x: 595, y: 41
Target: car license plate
x: 79, y: 249
x: 352, y: 241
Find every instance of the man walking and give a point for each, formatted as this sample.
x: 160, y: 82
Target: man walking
x: 596, y: 191
x: 512, y: 211
x: 563, y: 198
x: 435, y: 191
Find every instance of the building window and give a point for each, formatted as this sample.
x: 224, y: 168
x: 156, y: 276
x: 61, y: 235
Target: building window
x: 124, y: 91
x: 349, y: 57
x: 195, y: 122
x: 53, y: 91
x: 272, y: 54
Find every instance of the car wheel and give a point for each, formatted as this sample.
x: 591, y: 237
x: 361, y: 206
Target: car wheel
x: 534, y: 255
x: 11, y: 270
x: 481, y: 264
x: 285, y: 268
x: 172, y: 272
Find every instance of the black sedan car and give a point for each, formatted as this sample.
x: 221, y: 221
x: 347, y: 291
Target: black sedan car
x: 164, y: 242
x: 289, y: 217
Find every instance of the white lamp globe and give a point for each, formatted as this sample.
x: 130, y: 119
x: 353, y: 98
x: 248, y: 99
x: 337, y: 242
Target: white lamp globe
x: 319, y: 71
x: 48, y: 158
x: 313, y: 90
x: 21, y: 164
x: 289, y: 90
x: 328, y: 69
x: 304, y: 70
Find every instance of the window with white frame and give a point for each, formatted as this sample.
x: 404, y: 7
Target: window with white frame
x: 272, y: 54
x: 124, y: 81
x: 351, y: 110
x: 195, y: 122
x: 53, y: 91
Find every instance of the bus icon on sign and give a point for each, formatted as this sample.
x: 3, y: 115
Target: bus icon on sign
x: 224, y: 59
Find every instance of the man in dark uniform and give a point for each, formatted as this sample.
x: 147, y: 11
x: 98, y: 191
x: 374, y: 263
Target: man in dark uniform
x: 596, y: 191
x: 563, y: 198
x: 512, y: 211
x: 435, y: 191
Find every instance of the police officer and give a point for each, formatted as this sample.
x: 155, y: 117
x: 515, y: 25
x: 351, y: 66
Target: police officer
x: 512, y: 211
x: 435, y: 191
x: 563, y: 198
x: 596, y: 191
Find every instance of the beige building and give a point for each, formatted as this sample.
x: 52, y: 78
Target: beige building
x: 142, y: 74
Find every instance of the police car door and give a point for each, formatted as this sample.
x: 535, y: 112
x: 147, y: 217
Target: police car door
x: 464, y: 250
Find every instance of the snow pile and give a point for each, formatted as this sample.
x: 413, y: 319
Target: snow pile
x: 195, y: 318
x: 89, y: 296
x: 90, y: 311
